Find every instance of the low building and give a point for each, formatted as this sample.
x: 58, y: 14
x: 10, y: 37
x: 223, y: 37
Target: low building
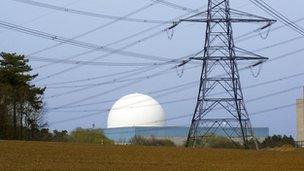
x: 175, y: 133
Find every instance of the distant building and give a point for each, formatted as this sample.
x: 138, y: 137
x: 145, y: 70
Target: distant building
x: 141, y: 115
x: 177, y: 134
x: 136, y: 110
x: 300, y: 122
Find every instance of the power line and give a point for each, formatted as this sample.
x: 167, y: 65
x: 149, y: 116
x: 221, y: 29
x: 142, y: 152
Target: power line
x: 246, y: 38
x: 257, y: 50
x: 120, y: 80
x: 184, y: 100
x: 255, y: 99
x: 87, y: 87
x: 173, y: 5
x: 293, y: 24
x: 192, y: 98
x: 98, y: 77
x: 271, y: 11
x: 108, y: 54
x: 192, y: 83
x: 90, y: 63
x: 117, y: 80
x: 276, y: 93
x: 78, y: 43
x: 274, y: 109
x: 176, y: 88
x: 277, y: 58
x: 268, y: 82
x: 88, y: 79
x: 100, y: 63
x: 113, y: 89
x: 89, y: 32
x: 179, y: 117
x: 95, y: 29
x: 44, y: 15
x: 87, y: 13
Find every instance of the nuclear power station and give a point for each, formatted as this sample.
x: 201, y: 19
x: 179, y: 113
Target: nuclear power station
x: 141, y: 115
x: 220, y: 107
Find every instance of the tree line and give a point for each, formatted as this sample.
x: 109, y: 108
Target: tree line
x: 79, y: 135
x: 22, y: 113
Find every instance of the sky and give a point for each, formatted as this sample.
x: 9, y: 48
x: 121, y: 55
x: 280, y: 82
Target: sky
x: 188, y: 38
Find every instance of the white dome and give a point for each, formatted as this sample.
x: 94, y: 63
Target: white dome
x: 136, y: 110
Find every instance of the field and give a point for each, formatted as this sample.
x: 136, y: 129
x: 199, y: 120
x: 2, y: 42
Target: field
x: 16, y: 155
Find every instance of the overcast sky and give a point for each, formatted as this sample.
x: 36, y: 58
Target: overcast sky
x: 188, y: 38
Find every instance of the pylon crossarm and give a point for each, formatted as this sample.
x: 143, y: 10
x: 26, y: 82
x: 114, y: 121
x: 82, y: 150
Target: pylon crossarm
x: 217, y: 58
x: 222, y: 20
x: 240, y: 14
x: 236, y: 16
x: 225, y: 120
x: 246, y: 52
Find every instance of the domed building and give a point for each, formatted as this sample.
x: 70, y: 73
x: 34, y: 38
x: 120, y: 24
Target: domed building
x: 136, y: 110
x: 141, y: 115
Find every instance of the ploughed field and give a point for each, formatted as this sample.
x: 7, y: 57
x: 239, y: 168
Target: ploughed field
x: 17, y: 155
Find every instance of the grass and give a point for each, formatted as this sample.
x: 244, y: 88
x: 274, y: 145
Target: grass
x: 17, y: 155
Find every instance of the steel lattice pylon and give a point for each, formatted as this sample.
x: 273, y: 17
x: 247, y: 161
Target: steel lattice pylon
x: 220, y: 104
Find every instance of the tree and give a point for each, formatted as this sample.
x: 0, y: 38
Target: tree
x: 214, y: 141
x: 151, y: 141
x: 21, y: 103
x: 93, y: 136
x: 277, y: 141
x: 62, y: 136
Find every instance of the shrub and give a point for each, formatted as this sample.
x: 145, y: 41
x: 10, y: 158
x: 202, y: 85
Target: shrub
x: 217, y: 142
x: 277, y: 141
x: 62, y: 136
x: 138, y: 140
x: 94, y: 136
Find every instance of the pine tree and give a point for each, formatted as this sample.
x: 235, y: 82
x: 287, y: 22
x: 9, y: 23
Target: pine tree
x: 21, y: 103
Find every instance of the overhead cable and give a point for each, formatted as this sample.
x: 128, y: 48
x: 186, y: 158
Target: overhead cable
x: 88, y: 13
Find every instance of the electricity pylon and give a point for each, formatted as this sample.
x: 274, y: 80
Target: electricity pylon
x: 220, y: 104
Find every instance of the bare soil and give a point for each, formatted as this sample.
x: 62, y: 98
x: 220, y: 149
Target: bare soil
x: 18, y: 155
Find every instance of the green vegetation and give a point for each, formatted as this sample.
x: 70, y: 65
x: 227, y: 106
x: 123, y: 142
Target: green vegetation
x: 79, y: 135
x: 21, y: 105
x: 142, y: 141
x: 217, y: 142
x: 278, y: 141
x: 93, y: 136
x: 224, y: 142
